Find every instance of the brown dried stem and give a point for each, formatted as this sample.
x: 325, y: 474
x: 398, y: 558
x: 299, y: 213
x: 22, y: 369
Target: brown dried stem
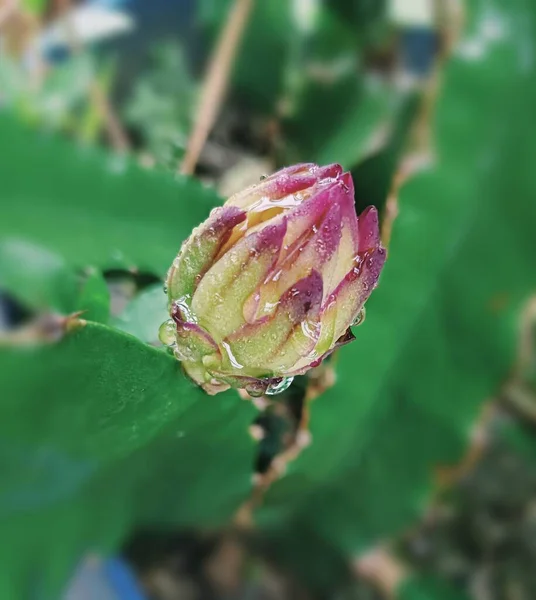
x: 216, y: 81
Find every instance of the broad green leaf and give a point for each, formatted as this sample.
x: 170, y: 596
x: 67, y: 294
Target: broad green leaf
x: 162, y: 103
x: 91, y: 208
x: 373, y: 176
x: 144, y: 314
x: 36, y: 276
x: 335, y: 112
x: 56, y: 102
x: 94, y: 297
x: 440, y: 330
x: 100, y: 433
x: 366, y: 126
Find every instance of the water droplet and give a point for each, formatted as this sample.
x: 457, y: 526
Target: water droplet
x: 182, y: 310
x: 263, y: 177
x: 165, y: 288
x: 231, y: 356
x: 282, y: 385
x: 360, y: 317
x: 310, y: 329
x: 185, y: 353
x: 167, y: 332
x: 255, y: 390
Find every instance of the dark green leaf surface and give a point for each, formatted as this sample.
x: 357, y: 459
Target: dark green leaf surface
x: 440, y: 330
x: 94, y: 297
x: 364, y: 129
x: 144, y: 314
x: 100, y: 433
x: 335, y: 112
x: 36, y: 276
x: 90, y: 208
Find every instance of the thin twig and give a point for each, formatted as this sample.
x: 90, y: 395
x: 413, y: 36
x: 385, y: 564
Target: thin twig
x: 216, y: 81
x: 320, y: 379
x: 419, y: 154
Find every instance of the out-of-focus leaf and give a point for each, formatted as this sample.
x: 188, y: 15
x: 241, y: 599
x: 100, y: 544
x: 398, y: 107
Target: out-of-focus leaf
x: 55, y: 101
x: 335, y: 112
x: 144, y: 314
x: 92, y: 208
x: 94, y: 297
x: 259, y: 71
x: 36, y: 276
x: 365, y: 127
x: 440, y: 330
x: 428, y: 588
x: 34, y: 6
x: 373, y: 176
x: 162, y: 104
x: 368, y: 19
x: 100, y: 433
x: 91, y: 120
x: 323, y: 84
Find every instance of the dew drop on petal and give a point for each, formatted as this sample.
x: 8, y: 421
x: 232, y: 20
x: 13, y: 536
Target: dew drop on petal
x: 254, y: 390
x: 231, y: 356
x: 360, y: 317
x: 280, y: 386
x: 167, y: 332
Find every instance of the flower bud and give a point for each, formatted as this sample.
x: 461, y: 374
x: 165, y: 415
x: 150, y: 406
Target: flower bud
x: 271, y: 282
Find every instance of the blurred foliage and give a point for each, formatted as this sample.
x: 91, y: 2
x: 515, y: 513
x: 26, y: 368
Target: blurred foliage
x: 409, y: 388
x: 108, y: 433
x: 34, y: 6
x: 90, y: 208
x: 59, y: 99
x: 481, y: 535
x: 102, y: 434
x: 161, y: 106
x: 259, y: 72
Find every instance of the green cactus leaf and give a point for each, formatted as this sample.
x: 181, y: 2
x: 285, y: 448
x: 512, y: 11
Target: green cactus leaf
x: 144, y: 314
x: 94, y: 297
x: 36, y: 276
x: 100, y: 434
x: 90, y: 208
x: 440, y: 331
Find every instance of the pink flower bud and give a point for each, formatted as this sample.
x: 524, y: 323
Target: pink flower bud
x: 271, y: 282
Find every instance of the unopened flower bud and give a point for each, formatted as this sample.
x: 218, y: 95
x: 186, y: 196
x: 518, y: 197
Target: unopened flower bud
x: 271, y: 282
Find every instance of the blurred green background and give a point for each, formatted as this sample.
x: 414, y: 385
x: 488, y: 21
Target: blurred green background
x: 402, y: 468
